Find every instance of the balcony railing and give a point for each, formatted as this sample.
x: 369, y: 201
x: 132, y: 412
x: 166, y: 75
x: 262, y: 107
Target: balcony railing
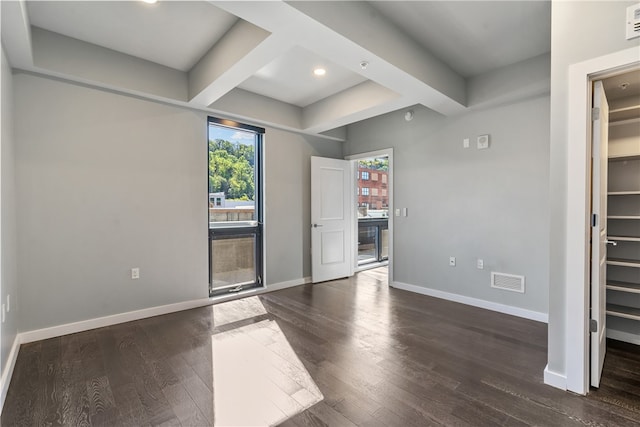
x: 373, y: 240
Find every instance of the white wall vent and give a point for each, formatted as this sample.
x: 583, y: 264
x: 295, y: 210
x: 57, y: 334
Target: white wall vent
x: 633, y: 22
x: 507, y: 282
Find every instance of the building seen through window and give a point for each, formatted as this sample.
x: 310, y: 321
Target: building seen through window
x: 373, y: 200
x: 373, y: 210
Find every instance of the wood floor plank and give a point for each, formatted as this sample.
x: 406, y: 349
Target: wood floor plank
x: 373, y: 355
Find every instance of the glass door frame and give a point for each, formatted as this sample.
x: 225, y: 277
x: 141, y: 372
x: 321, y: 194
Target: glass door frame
x: 240, y: 229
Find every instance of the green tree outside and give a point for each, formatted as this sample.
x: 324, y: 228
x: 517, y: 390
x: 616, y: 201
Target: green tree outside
x: 377, y: 164
x: 231, y: 169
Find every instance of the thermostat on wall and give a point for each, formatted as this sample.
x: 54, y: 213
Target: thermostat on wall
x: 633, y: 21
x: 483, y: 142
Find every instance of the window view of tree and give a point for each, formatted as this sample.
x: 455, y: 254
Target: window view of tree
x: 381, y: 164
x: 231, y: 169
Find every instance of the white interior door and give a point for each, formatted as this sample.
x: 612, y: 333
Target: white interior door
x: 330, y: 219
x: 599, y: 231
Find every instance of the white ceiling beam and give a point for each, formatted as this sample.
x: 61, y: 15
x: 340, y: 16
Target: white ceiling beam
x: 250, y: 106
x: 363, y: 25
x: 524, y: 79
x: 16, y: 33
x: 354, y: 104
x: 241, y: 52
x: 346, y: 37
x: 72, y: 57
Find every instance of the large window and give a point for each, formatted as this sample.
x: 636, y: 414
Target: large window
x: 235, y: 206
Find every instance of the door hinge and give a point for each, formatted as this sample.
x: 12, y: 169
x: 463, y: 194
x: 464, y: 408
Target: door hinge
x: 593, y: 325
x: 595, y: 113
x: 594, y: 220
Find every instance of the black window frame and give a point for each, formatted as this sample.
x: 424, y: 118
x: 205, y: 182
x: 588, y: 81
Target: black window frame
x: 237, y: 231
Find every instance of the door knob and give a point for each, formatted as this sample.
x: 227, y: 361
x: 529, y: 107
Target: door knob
x: 611, y: 242
x: 316, y: 225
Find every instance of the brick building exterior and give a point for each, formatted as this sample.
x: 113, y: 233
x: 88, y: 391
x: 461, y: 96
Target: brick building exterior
x: 372, y: 188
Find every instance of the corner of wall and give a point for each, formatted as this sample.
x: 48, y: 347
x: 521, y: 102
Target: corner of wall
x: 7, y: 370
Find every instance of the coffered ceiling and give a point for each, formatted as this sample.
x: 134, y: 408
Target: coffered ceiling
x: 254, y: 61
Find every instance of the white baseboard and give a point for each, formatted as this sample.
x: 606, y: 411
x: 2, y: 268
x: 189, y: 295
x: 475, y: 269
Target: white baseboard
x: 489, y: 305
x: 7, y: 372
x: 288, y: 284
x: 555, y: 379
x: 85, y: 325
x: 623, y: 336
x: 99, y: 322
x: 257, y: 291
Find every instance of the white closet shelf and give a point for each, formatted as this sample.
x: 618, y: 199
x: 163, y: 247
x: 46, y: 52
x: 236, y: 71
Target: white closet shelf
x: 616, y: 157
x: 615, y: 285
x: 623, y: 311
x: 623, y: 217
x: 623, y: 193
x: 624, y: 113
x: 624, y: 238
x: 624, y: 262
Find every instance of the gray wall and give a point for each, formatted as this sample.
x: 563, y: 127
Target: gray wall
x: 107, y: 182
x: 8, y: 266
x: 571, y: 44
x: 469, y: 203
x: 288, y: 201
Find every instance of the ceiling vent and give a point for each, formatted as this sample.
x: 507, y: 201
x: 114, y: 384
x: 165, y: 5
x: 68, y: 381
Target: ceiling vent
x: 507, y: 282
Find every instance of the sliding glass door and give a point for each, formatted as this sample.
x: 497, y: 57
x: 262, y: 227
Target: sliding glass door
x: 235, y: 206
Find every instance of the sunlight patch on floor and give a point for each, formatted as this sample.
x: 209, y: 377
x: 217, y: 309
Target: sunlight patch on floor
x: 257, y: 377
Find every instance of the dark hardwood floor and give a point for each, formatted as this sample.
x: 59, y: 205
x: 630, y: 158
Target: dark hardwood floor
x: 342, y: 353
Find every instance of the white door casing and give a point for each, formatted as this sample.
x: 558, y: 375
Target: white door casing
x: 330, y: 219
x: 568, y: 366
x: 599, y: 230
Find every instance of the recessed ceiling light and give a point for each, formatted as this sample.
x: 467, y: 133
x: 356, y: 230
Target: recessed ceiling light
x: 150, y: 1
x: 319, y: 72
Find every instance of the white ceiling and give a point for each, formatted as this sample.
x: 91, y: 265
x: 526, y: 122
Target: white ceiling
x: 289, y: 78
x: 420, y: 52
x: 474, y: 37
x: 171, y: 33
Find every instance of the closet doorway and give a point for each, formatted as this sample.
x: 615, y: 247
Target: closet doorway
x: 577, y: 237
x: 615, y: 272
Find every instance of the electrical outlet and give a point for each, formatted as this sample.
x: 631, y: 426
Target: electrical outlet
x: 135, y: 273
x: 465, y: 143
x: 452, y: 261
x: 480, y: 264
